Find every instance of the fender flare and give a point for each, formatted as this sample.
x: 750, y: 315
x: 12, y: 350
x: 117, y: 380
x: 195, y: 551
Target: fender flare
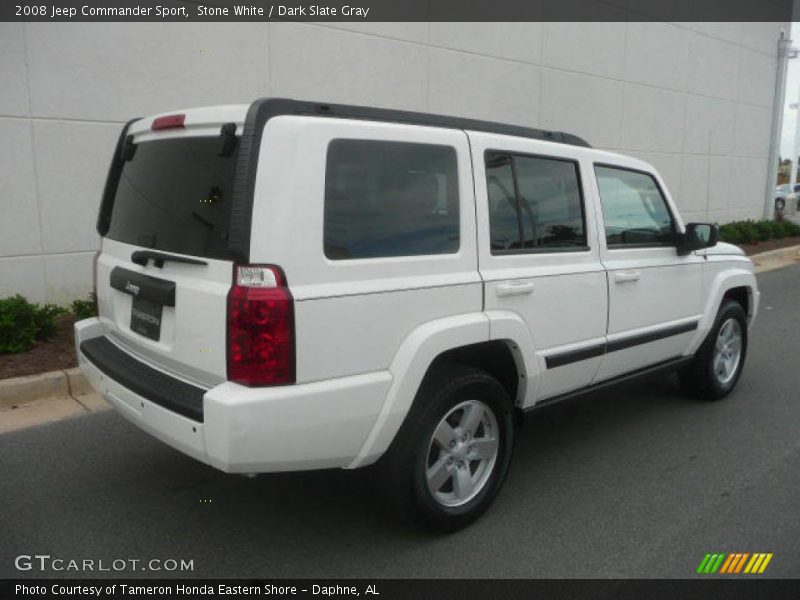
x: 509, y: 325
x: 409, y: 365
x: 724, y: 281
x: 424, y: 344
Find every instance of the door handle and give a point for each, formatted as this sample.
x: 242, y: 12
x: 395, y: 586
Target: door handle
x: 627, y: 276
x: 514, y: 289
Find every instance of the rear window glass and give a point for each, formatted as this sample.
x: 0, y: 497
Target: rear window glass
x: 175, y: 195
x: 390, y: 199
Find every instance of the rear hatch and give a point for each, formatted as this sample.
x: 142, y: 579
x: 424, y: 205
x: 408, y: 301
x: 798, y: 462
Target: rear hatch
x: 165, y: 267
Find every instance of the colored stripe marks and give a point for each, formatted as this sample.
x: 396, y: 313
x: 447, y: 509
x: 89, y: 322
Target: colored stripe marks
x: 734, y: 563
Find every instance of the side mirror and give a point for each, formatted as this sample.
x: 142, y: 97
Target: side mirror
x: 696, y: 237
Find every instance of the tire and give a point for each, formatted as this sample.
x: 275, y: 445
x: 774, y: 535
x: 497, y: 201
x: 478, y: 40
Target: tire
x: 456, y: 396
x: 710, y: 375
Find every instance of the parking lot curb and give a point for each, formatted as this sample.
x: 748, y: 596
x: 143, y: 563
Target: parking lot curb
x: 22, y: 390
x: 46, y: 397
x: 65, y: 383
x: 775, y: 259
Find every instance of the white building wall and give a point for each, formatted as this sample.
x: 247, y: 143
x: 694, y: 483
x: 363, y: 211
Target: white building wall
x: 695, y: 99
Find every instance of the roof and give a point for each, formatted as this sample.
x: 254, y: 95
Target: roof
x: 265, y: 108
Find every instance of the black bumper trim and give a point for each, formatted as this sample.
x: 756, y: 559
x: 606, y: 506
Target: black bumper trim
x: 157, y: 387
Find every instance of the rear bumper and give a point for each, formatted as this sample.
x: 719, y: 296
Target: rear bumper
x: 241, y: 429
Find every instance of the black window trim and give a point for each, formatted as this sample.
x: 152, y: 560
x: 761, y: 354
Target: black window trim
x: 336, y: 261
x: 673, y: 221
x: 548, y: 250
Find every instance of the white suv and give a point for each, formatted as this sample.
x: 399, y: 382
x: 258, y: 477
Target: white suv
x: 294, y: 285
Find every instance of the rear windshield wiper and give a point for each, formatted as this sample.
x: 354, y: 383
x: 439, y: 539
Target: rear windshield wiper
x: 140, y: 257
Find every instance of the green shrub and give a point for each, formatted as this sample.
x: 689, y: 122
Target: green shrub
x: 788, y: 229
x: 22, y: 323
x: 17, y: 324
x: 46, y: 318
x: 84, y: 308
x: 738, y: 232
x: 772, y: 229
x: 729, y: 233
x: 750, y: 232
x: 762, y: 231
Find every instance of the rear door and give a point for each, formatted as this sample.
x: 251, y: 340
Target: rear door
x: 538, y: 253
x: 165, y: 270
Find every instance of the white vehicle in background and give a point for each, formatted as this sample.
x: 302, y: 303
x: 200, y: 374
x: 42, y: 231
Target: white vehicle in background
x: 292, y: 285
x: 787, y: 197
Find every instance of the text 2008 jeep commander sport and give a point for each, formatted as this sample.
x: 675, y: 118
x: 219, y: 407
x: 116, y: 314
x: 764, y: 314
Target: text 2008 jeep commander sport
x: 293, y: 285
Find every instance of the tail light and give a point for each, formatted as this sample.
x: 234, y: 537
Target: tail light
x: 260, y: 327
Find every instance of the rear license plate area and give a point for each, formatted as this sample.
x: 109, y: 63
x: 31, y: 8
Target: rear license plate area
x: 149, y: 297
x: 146, y: 318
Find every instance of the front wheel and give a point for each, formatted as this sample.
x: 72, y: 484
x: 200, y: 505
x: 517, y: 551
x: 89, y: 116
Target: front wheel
x: 450, y: 457
x: 716, y: 367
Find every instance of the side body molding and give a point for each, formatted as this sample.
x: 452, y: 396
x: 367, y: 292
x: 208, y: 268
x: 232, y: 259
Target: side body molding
x: 409, y: 366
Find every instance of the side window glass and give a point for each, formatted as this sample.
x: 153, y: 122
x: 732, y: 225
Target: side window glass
x: 634, y: 210
x: 503, y: 217
x: 535, y: 203
x: 550, y: 203
x: 387, y: 199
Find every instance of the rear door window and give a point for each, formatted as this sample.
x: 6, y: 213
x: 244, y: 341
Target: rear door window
x: 385, y: 199
x: 535, y: 203
x: 175, y: 195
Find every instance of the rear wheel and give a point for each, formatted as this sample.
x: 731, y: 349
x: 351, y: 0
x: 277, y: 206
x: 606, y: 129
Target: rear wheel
x: 450, y: 457
x: 716, y: 367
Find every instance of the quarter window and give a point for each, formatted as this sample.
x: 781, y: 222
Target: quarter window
x: 387, y: 199
x: 535, y: 203
x: 634, y: 209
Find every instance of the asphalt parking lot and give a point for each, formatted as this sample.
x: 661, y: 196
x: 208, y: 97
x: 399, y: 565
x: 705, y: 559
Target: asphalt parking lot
x: 639, y: 482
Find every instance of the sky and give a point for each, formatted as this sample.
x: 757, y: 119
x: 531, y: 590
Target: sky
x: 792, y: 95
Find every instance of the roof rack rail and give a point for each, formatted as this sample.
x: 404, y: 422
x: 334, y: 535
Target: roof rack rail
x: 263, y: 109
x: 270, y: 107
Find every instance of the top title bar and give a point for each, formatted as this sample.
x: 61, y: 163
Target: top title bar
x: 398, y: 10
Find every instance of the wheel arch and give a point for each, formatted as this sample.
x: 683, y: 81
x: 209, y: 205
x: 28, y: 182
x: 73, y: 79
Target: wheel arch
x: 465, y: 339
x: 741, y: 294
x: 738, y: 284
x: 497, y: 357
